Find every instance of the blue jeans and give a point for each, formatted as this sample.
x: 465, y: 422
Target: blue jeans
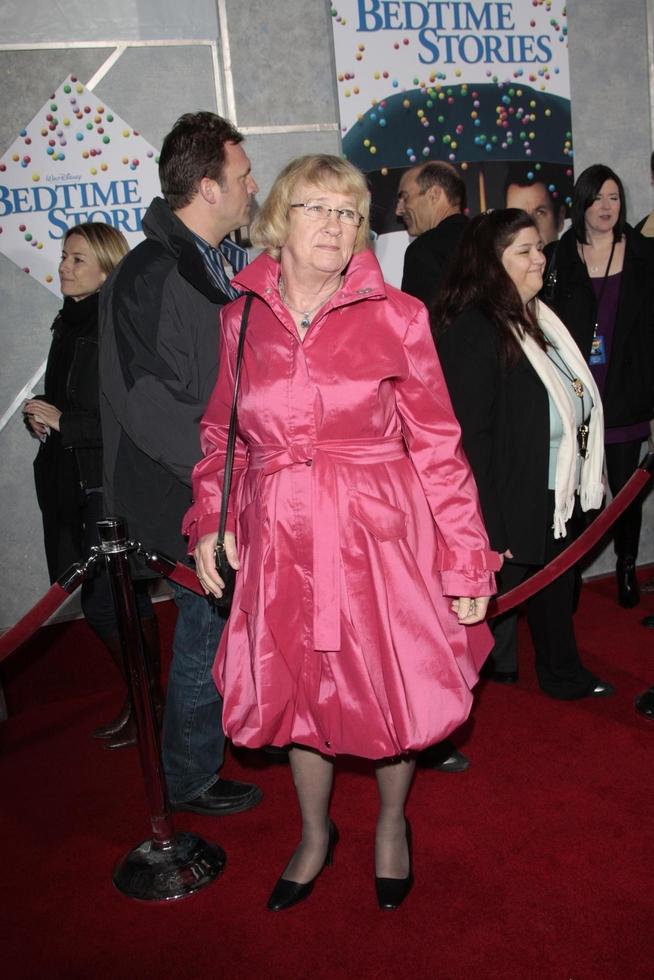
x: 193, y: 746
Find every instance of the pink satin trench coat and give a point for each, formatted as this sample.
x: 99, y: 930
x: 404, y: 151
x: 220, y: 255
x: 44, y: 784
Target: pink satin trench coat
x: 356, y: 514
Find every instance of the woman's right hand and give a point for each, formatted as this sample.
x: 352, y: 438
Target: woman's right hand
x: 205, y: 563
x: 36, y: 427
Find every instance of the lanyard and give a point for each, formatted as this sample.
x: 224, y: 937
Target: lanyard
x: 602, y: 287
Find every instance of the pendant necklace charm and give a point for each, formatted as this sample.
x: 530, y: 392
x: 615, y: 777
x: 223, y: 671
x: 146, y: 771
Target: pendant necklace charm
x: 305, y: 315
x: 577, y: 386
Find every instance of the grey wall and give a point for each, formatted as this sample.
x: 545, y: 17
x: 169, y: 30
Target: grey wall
x: 280, y: 92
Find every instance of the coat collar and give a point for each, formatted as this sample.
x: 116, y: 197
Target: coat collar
x: 161, y: 224
x: 363, y: 280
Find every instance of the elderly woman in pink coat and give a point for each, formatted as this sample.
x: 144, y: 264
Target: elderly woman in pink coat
x: 364, y: 567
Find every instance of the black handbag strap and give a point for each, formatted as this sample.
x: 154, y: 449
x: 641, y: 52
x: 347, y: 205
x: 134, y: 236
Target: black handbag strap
x: 231, y: 437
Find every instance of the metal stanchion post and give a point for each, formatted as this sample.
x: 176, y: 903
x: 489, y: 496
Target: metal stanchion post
x: 169, y: 865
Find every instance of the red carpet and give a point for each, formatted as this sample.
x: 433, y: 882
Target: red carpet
x: 536, y: 863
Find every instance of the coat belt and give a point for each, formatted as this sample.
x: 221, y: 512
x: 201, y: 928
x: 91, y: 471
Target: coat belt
x: 323, y: 457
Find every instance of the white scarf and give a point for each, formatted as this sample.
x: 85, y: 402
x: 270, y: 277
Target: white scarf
x: 591, y: 489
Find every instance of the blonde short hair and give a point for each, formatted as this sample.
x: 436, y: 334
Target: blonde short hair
x: 107, y: 244
x: 271, y: 223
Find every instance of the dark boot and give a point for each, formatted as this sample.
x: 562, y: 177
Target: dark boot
x: 128, y: 735
x: 112, y: 643
x: 625, y: 573
x: 645, y: 703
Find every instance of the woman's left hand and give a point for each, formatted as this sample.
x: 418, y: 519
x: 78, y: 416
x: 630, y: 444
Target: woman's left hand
x: 205, y: 565
x: 470, y: 610
x: 43, y: 413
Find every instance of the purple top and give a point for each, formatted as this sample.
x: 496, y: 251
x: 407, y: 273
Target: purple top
x: 606, y: 315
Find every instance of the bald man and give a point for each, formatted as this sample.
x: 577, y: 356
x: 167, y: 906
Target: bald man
x: 430, y: 202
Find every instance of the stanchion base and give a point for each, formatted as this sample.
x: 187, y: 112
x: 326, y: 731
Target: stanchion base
x: 154, y: 874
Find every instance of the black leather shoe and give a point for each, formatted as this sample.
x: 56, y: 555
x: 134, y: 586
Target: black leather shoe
x: 503, y: 676
x: 645, y: 703
x: 225, y: 796
x: 287, y: 893
x: 601, y: 690
x: 115, y: 726
x: 648, y: 621
x: 443, y: 757
x: 391, y: 892
x: 628, y: 592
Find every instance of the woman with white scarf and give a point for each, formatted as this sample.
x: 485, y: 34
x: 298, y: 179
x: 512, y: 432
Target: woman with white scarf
x: 532, y: 425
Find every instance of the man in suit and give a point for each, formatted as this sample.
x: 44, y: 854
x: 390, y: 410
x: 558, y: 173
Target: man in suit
x: 430, y: 202
x: 159, y: 316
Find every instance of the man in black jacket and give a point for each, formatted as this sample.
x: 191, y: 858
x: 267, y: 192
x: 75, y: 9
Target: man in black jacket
x: 158, y: 365
x: 430, y: 202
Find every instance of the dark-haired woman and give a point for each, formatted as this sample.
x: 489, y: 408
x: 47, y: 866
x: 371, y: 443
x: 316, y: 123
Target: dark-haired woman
x: 600, y: 281
x: 68, y: 465
x: 531, y: 420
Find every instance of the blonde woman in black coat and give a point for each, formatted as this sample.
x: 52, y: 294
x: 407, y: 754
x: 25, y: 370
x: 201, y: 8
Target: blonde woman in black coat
x: 68, y: 465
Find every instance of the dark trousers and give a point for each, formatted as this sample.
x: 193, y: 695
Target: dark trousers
x: 193, y: 745
x: 559, y: 669
x: 622, y: 458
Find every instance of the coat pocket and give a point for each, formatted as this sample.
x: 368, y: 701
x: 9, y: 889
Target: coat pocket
x: 382, y: 519
x: 249, y: 524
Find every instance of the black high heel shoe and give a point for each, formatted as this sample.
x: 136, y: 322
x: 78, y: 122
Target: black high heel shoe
x: 288, y: 893
x: 628, y: 591
x: 391, y: 892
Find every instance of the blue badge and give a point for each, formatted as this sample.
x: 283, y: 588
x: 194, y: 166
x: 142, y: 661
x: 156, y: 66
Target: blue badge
x: 597, y: 350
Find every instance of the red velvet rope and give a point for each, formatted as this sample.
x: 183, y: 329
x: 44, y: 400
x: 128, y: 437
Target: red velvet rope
x: 575, y: 551
x: 38, y: 614
x: 185, y: 576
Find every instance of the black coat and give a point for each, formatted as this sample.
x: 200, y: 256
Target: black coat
x: 69, y: 461
x: 629, y: 393
x: 158, y: 365
x: 504, y: 418
x: 428, y: 256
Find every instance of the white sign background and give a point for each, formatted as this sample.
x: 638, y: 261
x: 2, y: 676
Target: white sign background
x: 76, y: 161
x: 383, y: 48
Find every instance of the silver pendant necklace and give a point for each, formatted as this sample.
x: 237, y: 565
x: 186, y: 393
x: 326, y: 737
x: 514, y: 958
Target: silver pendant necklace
x: 305, y: 315
x: 577, y: 386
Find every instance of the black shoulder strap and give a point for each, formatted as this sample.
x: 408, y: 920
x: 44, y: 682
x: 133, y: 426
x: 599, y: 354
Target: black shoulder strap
x: 231, y: 438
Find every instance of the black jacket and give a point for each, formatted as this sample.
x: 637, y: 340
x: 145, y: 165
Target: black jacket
x: 629, y: 393
x: 505, y: 425
x: 71, y: 385
x: 428, y: 256
x: 158, y: 365
x: 69, y: 461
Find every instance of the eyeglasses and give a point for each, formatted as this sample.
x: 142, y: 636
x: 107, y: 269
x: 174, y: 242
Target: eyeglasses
x: 320, y: 212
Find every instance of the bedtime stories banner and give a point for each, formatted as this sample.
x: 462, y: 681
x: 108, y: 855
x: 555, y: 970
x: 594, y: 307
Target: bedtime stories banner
x: 483, y: 85
x: 76, y: 161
